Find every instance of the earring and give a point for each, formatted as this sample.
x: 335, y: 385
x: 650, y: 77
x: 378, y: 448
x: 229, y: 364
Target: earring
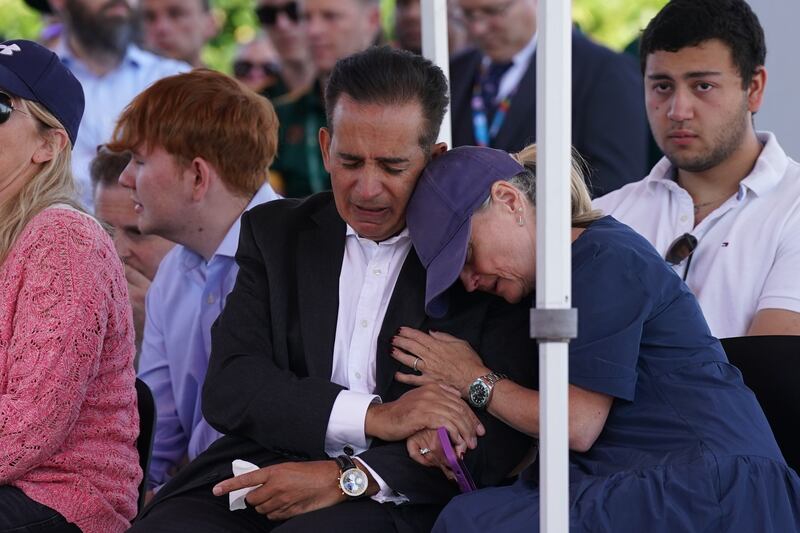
x: 520, y: 221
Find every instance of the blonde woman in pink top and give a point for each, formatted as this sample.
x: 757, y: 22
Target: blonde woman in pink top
x: 68, y: 420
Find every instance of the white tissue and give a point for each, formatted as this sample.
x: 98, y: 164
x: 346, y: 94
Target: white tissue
x: 236, y: 498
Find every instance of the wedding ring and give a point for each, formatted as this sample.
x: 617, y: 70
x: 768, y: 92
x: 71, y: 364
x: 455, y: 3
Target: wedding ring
x: 423, y: 451
x: 416, y: 361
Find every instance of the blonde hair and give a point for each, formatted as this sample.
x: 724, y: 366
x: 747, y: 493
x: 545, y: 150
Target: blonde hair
x: 582, y: 212
x: 52, y: 184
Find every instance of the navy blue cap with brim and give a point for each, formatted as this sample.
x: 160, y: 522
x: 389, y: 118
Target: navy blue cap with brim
x: 31, y: 71
x: 452, y: 187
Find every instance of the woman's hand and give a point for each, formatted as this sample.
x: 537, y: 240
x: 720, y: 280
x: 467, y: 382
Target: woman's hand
x: 428, y: 439
x: 439, y: 357
x: 427, y: 407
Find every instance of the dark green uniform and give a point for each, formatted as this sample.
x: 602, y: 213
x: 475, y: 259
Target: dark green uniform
x: 298, y: 164
x: 275, y: 91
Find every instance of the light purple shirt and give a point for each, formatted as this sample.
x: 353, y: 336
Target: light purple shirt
x: 185, y: 298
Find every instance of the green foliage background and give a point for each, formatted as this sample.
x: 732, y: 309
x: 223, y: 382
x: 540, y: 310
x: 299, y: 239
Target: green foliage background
x: 613, y: 22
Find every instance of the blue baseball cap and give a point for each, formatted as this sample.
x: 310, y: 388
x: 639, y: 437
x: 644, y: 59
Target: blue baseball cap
x: 31, y: 71
x: 452, y: 187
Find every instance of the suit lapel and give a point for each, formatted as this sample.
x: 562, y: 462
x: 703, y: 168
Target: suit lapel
x: 320, y: 251
x: 406, y: 308
x: 463, y: 80
x: 522, y: 114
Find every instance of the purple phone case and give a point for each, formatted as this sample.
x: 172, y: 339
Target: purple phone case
x: 463, y: 478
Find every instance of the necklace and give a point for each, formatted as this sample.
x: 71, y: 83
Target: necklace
x: 716, y: 202
x: 698, y: 207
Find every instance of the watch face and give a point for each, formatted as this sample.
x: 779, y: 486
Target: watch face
x: 478, y: 393
x: 353, y: 482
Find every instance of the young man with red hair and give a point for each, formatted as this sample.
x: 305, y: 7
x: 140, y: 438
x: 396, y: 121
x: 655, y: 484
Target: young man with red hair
x: 201, y: 146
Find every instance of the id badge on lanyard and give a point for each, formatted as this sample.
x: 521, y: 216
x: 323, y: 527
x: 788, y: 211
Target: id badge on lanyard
x: 483, y: 132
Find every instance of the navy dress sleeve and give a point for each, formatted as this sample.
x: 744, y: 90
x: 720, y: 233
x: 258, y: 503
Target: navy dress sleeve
x: 613, y: 305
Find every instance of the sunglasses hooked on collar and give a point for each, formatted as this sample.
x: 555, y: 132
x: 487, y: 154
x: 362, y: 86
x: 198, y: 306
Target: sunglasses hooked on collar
x: 7, y: 107
x: 680, y: 250
x: 268, y: 15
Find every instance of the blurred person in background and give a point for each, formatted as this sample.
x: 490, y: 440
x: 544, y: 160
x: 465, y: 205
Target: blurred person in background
x: 68, y: 419
x: 178, y: 28
x: 408, y: 26
x: 493, y: 88
x: 51, y: 25
x: 97, y: 46
x: 339, y: 28
x: 140, y: 253
x: 335, y: 30
x: 284, y: 26
x: 257, y: 65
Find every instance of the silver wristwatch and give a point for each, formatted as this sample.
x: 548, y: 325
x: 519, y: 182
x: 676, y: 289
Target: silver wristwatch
x: 480, y: 391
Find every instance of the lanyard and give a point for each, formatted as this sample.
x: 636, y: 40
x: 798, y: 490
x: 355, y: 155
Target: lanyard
x: 484, y: 133
x: 312, y: 126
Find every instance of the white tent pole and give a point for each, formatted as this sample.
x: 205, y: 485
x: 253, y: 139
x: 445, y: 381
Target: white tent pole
x: 553, y: 323
x: 434, y: 47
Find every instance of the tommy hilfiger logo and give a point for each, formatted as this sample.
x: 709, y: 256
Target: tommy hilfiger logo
x: 9, y: 50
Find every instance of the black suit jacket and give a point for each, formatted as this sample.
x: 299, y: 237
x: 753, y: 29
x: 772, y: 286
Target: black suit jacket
x: 609, y: 127
x: 268, y: 385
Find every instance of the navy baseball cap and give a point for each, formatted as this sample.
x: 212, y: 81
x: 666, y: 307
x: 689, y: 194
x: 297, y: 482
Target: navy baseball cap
x: 31, y: 71
x: 452, y: 187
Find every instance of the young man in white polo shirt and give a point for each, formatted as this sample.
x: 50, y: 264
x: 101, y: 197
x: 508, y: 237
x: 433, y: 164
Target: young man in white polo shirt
x: 730, y: 188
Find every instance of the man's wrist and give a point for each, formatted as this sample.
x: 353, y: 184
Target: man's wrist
x: 340, y: 496
x: 373, y: 420
x: 372, y: 487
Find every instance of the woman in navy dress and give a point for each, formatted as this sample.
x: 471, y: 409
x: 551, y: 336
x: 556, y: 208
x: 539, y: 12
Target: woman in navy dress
x: 664, y: 435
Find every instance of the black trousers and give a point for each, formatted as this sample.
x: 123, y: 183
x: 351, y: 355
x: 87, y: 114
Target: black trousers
x: 198, y: 510
x: 20, y: 514
x: 186, y: 503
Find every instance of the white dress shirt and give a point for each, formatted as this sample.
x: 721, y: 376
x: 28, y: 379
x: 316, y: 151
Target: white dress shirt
x: 512, y: 77
x: 366, y: 283
x: 748, y: 252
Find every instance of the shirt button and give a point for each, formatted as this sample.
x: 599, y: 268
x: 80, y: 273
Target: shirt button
x: 364, y: 323
x: 210, y: 299
x: 358, y: 375
x: 684, y: 218
x: 377, y: 272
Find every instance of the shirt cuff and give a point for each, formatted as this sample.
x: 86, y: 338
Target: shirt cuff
x: 346, y: 423
x: 386, y: 494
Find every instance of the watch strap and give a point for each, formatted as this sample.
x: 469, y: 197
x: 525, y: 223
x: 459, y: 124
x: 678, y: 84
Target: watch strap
x: 345, y: 463
x: 492, y: 377
x: 489, y: 380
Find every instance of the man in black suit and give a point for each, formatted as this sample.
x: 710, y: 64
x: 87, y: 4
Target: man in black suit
x: 300, y: 371
x: 493, y: 93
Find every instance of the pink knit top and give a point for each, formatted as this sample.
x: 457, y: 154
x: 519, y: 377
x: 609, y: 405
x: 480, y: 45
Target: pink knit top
x: 68, y: 418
